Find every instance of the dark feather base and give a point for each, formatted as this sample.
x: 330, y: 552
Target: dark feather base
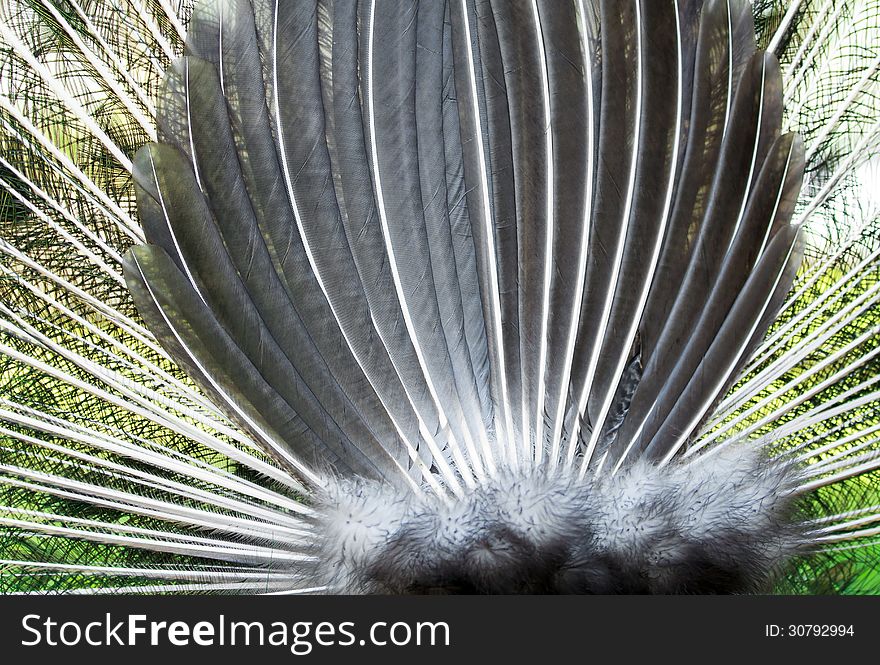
x: 720, y: 526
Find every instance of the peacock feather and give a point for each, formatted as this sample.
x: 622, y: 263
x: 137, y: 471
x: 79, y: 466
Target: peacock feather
x: 397, y: 296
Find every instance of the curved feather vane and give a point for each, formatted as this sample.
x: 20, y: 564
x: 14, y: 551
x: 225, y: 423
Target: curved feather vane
x: 401, y: 296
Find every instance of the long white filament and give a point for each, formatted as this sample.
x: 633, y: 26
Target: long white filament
x: 288, y: 181
x: 270, y: 440
x: 584, y: 240
x: 538, y: 442
x: 504, y: 435
x: 605, y: 316
x: 724, y: 375
x: 655, y: 255
x: 439, y: 459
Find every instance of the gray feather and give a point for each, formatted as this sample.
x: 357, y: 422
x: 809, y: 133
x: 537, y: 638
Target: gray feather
x: 446, y: 239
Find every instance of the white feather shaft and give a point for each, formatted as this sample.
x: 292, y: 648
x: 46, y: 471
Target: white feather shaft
x: 116, y: 214
x: 784, y: 25
x: 174, y: 487
x: 147, y: 452
x: 583, y: 242
x: 144, y: 505
x: 68, y: 237
x: 439, y: 459
x: 75, y: 108
x: 504, y: 435
x: 167, y: 420
x: 605, y: 316
x: 538, y: 443
x: 803, y: 396
x: 107, y: 77
x: 304, y: 237
x: 724, y: 376
x: 37, y: 517
x: 268, y: 439
x: 249, y: 555
x: 119, y: 66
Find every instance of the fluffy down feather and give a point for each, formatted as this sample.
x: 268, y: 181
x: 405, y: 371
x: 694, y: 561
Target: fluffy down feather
x: 719, y: 527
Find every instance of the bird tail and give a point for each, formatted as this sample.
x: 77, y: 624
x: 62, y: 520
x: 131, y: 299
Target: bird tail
x: 544, y: 298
